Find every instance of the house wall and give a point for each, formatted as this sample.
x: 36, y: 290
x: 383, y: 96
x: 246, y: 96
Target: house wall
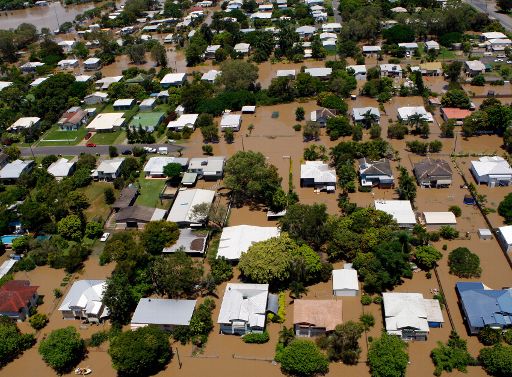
x: 345, y: 292
x: 503, y: 243
x: 308, y: 331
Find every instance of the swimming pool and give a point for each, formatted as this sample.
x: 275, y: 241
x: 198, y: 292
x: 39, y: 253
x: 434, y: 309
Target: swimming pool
x: 7, y: 240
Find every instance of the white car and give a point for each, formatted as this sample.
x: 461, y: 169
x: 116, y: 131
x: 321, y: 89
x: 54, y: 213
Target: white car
x: 104, y: 237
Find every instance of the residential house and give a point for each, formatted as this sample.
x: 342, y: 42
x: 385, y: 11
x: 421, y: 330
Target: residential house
x: 455, y: 114
x: 38, y: 81
x: 242, y: 48
x: 400, y: 210
x: 321, y: 73
x: 67, y: 46
x: 248, y: 109
x: 492, y: 170
x: 5, y: 84
x: 319, y: 175
x: 67, y: 63
x: 105, y: 82
x: 61, y: 168
x: 30, y: 67
x: 359, y: 71
x: 208, y: 168
x: 185, y: 120
x: 305, y: 31
x: 72, y: 119
x: 316, y: 317
x: 211, y: 75
x: 484, y: 307
x: 499, y: 44
x: 261, y: 16
x: 147, y: 104
x: 108, y: 170
x: 84, y: 301
x: 13, y: 170
x: 332, y: 27
x: 366, y: 115
x: 407, y: 113
x: 24, y: 123
x: 236, y: 240
x: 492, y: 35
x: 137, y: 216
x: 16, y: 299
x: 431, y: 46
x: 433, y: 173
x: 431, y: 69
x: 410, y: 316
x: 92, y: 64
x: 371, y: 50
x: 106, y: 122
x: 173, y: 79
x: 376, y: 173
x: 244, y: 308
x: 345, y: 282
x: 210, y: 51
x: 474, y: 67
x: 230, y: 121
x: 123, y: 104
x: 182, y: 210
x: 505, y: 237
x: 147, y: 120
x: 164, y: 313
x: 127, y: 197
x: 154, y: 168
x: 435, y: 220
x: 96, y: 98
x: 321, y: 116
x: 190, y: 241
x: 410, y: 47
x: 390, y: 70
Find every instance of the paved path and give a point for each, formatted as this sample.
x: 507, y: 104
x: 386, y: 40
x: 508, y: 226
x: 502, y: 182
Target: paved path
x: 76, y: 150
x: 490, y: 9
x: 337, y: 15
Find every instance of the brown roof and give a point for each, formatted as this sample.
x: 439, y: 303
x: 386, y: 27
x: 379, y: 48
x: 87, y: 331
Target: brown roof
x: 319, y: 313
x: 74, y: 117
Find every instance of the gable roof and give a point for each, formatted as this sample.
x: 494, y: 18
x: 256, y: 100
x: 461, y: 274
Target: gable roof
x: 428, y: 168
x: 494, y: 165
x: 318, y: 313
x: 244, y: 302
x: 236, y: 240
x: 345, y: 278
x: 138, y: 213
x: 319, y: 171
x: 14, y: 169
x: 86, y: 295
x: 61, y: 167
x: 126, y: 197
x: 156, y: 311
x: 15, y: 294
x: 401, y: 210
x: 455, y: 113
x: 186, y: 200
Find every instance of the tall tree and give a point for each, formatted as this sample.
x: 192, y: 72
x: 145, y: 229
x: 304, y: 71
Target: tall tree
x: 406, y: 186
x: 388, y: 356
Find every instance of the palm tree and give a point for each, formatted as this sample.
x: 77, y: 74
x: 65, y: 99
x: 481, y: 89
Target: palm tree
x: 369, y: 119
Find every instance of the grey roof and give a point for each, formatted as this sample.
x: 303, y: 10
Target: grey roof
x: 156, y: 311
x: 140, y: 214
x: 190, y: 241
x: 380, y: 167
x: 432, y: 168
x: 273, y: 303
x: 14, y: 169
x: 126, y: 197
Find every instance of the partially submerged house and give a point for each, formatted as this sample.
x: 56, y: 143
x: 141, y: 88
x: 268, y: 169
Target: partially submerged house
x: 208, y: 168
x: 164, y: 313
x: 400, y: 210
x: 474, y: 67
x: 321, y: 116
x: 434, y: 220
x: 492, y: 170
x: 236, y: 240
x: 154, y: 168
x: 319, y: 175
x: 173, y: 79
x: 505, y: 237
x: 376, y: 173
x: 345, y: 282
x: 390, y: 70
x: 16, y: 299
x: 84, y: 301
x: 230, y: 121
x: 431, y: 172
x: 182, y: 210
x: 455, y: 114
x: 366, y: 115
x: 185, y: 120
x: 316, y: 317
x: 407, y: 113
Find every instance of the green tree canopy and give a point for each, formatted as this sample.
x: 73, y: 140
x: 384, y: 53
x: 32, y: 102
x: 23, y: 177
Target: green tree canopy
x: 505, y: 208
x: 497, y: 360
x: 238, y: 75
x: 427, y: 256
x: 450, y: 356
x: 119, y: 299
x: 343, y: 343
x: 306, y: 223
x: 172, y: 170
x: 303, y: 358
x: 62, y: 349
x: 70, y: 227
x: 159, y: 234
x: 464, y: 263
x: 388, y: 356
x: 12, y: 341
x: 456, y: 98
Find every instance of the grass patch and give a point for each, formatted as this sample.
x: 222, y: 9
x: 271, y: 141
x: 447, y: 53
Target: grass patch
x: 444, y: 53
x: 94, y: 193
x: 150, y: 193
x: 108, y: 138
x: 58, y: 137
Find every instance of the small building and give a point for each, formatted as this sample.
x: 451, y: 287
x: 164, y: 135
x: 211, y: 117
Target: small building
x: 248, y: 109
x: 376, y: 173
x: 492, y: 35
x: 286, y: 73
x: 105, y: 82
x: 164, y: 313
x: 321, y: 73
x: 148, y: 104
x: 242, y: 48
x: 190, y: 241
x: 431, y: 46
x: 30, y: 67
x: 126, y: 198
x: 345, y: 282
x: 244, y: 308
x: 173, y: 79
x: 365, y: 114
x: 409, y: 47
x: 96, y: 98
x: 189, y: 179
x: 431, y: 69
x: 5, y: 84
x: 407, y: 112
x: 410, y: 316
x: 483, y: 306
x: 38, y: 81
x: 108, y: 170
x: 72, y: 119
x: 230, y: 121
x: 123, y: 104
x: 236, y: 240
x: 321, y: 116
x: 305, y: 31
x: 182, y: 210
x: 486, y: 234
x: 390, y: 70
x: 16, y: 299
x: 210, y: 51
x: 499, y: 44
x: 13, y: 170
x: 154, y: 168
x: 319, y: 175
x: 474, y: 67
x: 106, y: 122
x: 400, y: 210
x: 332, y: 27
x: 208, y: 168
x: 492, y: 170
x: 136, y: 217
x: 505, y: 237
x: 185, y: 120
x: 371, y: 50
x: 359, y: 71
x: 67, y: 63
x: 433, y: 173
x: 92, y: 64
x: 24, y: 123
x: 211, y: 75
x: 316, y: 317
x: 84, y: 301
x: 61, y: 168
x: 434, y: 220
x: 455, y: 114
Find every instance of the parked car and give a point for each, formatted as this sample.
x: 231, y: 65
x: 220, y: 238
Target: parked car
x: 126, y: 152
x: 104, y: 237
x: 90, y: 145
x: 88, y: 136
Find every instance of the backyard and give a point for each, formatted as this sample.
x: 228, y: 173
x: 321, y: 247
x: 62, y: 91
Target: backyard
x: 95, y: 194
x: 150, y: 193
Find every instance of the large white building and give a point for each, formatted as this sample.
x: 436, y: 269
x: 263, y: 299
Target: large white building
x: 236, y: 240
x: 84, y: 301
x: 493, y: 171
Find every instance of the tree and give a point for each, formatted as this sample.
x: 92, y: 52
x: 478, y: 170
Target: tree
x: 306, y: 223
x: 12, y: 152
x: 137, y: 53
x: 478, y: 80
x: 406, y: 186
x: 70, y: 227
x: 48, y: 160
x: 311, y: 131
x: 172, y: 170
x: 110, y: 197
x: 303, y: 358
x: 229, y: 136
x: 505, y: 208
x: 387, y: 356
x: 497, y: 360
x: 176, y: 275
x: 207, y: 150
x: 456, y: 98
x: 112, y: 151
x: 159, y: 55
x: 12, y: 341
x: 489, y: 336
x: 464, y: 263
x: 375, y: 131
x: 455, y: 210
x: 453, y: 71
x: 357, y: 133
x: 238, y: 75
x: 343, y: 343
x: 159, y: 234
x: 221, y: 270
x: 21, y: 244
x: 118, y: 298
x: 142, y: 352
x: 62, y: 349
x: 299, y: 113
x: 448, y: 232
x: 504, y: 5
x: 38, y: 321
x: 450, y: 356
x: 427, y: 256
x: 398, y: 34
x: 93, y: 230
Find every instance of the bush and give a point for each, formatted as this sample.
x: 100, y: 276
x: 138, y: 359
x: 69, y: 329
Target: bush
x: 364, y: 188
x: 366, y: 300
x: 57, y: 293
x: 62, y: 349
x: 507, y: 336
x: 464, y: 263
x: 455, y: 210
x: 297, y: 127
x: 489, y: 336
x: 377, y: 300
x: 451, y: 356
x: 38, y: 321
x: 97, y: 339
x: 221, y: 270
x: 497, y: 360
x: 303, y: 358
x: 448, y: 232
x: 434, y: 236
x: 13, y: 342
x: 368, y: 321
x: 256, y: 338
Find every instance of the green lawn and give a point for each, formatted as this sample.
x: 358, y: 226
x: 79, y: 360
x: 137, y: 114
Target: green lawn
x: 108, y: 138
x: 150, y: 192
x: 444, y: 53
x: 57, y: 137
x: 94, y: 193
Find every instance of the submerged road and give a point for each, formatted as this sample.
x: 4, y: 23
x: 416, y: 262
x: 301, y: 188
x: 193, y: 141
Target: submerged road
x: 490, y: 9
x: 75, y: 150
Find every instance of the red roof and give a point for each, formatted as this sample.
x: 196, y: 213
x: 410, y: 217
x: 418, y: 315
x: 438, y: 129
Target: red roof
x: 15, y: 294
x: 455, y: 113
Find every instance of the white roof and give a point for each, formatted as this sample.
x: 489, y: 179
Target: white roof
x: 4, y: 84
x: 405, y: 112
x: 345, y: 279
x: 67, y: 62
x: 207, y: 165
x: 399, y: 10
x: 211, y: 75
x: 156, y: 311
x: 401, y: 210
x: 326, y: 35
x: 32, y: 65
x: 248, y: 109
x: 147, y: 102
x: 181, y: 210
x: 408, y: 45
x: 332, y: 25
x: 106, y: 121
x: 491, y: 165
x: 60, y: 168
x: 262, y: 15
x: 306, y: 29
x: 123, y: 102
x: 38, y: 81
x: 97, y: 94
x: 242, y: 47
x: 155, y: 165
x: 6, y: 267
x: 14, y: 169
x: 285, y: 72
x: 359, y: 112
x: 24, y: 122
x: 371, y: 48
x: 185, y: 120
x: 391, y: 67
x: 85, y: 295
x: 110, y: 166
x: 212, y: 49
x: 173, y: 78
x: 319, y: 171
x: 432, y: 218
x: 432, y: 44
x: 230, y: 120
x: 475, y: 65
x: 109, y: 80
x: 506, y: 233
x: 92, y: 61
x: 236, y: 240
x: 494, y: 35
x: 245, y: 303
x: 318, y: 72
x: 361, y: 68
x: 504, y: 41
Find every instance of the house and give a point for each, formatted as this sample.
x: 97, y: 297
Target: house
x: 136, y: 217
x: 68, y: 63
x: 244, y: 308
x: 106, y: 122
x: 211, y: 75
x: 210, y: 51
x: 483, y: 306
x: 455, y: 114
x: 431, y: 172
x: 359, y: 71
x: 371, y: 50
x: 84, y: 301
x: 390, y: 70
x: 190, y: 241
x: 154, y: 168
x: 61, y: 168
x: 96, y: 98
x: 434, y: 220
x: 164, y: 313
x: 148, y: 121
x: 208, y: 168
x: 236, y: 240
x: 92, y: 64
x: 13, y: 170
x: 494, y: 171
x: 345, y: 282
x: 319, y: 175
x: 173, y: 79
x: 332, y: 27
x: 105, y: 82
x: 400, y: 210
x: 5, y: 84
x: 505, y: 237
x: 67, y: 46
x: 410, y: 316
x: 126, y: 198
x: 16, y: 299
x: 321, y: 116
x: 365, y: 114
x: 24, y: 123
x: 147, y: 104
x: 431, y: 46
x: 322, y: 73
x: 305, y: 31
x: 316, y: 317
x: 123, y: 104
x: 407, y: 112
x: 410, y: 47
x: 230, y: 121
x: 72, y: 119
x: 182, y: 210
x: 185, y: 120
x: 30, y: 67
x: 376, y: 173
x: 431, y: 69
x: 242, y: 48
x: 108, y: 170
x: 38, y: 81
x: 474, y: 67
x: 492, y: 35
x: 499, y: 44
x: 398, y: 10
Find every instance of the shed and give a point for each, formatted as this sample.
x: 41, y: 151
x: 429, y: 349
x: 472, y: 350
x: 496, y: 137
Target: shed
x: 485, y: 234
x: 189, y: 179
x: 248, y: 109
x: 148, y: 104
x: 345, y: 282
x: 439, y: 218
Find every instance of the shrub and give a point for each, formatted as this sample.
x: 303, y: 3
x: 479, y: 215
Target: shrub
x: 507, y: 336
x: 489, y: 336
x: 455, y: 210
x: 364, y: 188
x: 450, y: 356
x: 497, y: 360
x: 464, y: 263
x: 38, y: 321
x: 57, y: 293
x: 366, y: 299
x: 62, y: 349
x: 368, y: 321
x: 434, y: 236
x: 256, y: 338
x: 377, y: 300
x: 97, y: 339
x: 448, y: 232
x: 303, y: 358
x: 297, y: 127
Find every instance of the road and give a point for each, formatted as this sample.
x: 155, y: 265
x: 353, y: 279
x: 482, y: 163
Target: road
x: 335, y: 6
x: 490, y: 9
x: 76, y: 150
